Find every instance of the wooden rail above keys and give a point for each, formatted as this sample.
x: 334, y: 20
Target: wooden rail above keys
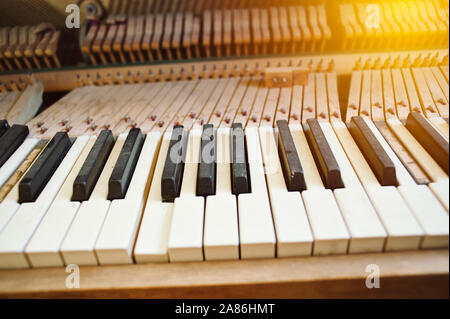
x: 66, y: 79
x: 415, y: 274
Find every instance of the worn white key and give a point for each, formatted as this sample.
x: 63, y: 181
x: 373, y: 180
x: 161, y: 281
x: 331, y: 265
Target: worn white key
x: 403, y: 230
x: 16, y: 235
x: 221, y: 237
x: 426, y: 208
x: 152, y: 240
x: 366, y: 230
x: 327, y: 225
x: 294, y: 236
x: 78, y: 245
x: 10, y: 166
x: 115, y: 242
x: 256, y: 230
x: 43, y: 248
x: 441, y: 191
x: 186, y: 229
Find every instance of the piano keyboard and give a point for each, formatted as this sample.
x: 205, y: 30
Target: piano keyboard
x: 228, y: 169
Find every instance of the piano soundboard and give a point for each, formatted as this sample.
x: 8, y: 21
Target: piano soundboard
x: 233, y: 164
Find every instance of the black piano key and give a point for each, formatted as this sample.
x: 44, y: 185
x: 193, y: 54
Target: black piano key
x: 431, y: 140
x: 174, y: 165
x: 373, y: 151
x: 206, y: 177
x: 290, y: 162
x: 125, y: 165
x: 326, y: 162
x: 240, y: 177
x: 44, y: 167
x: 93, y: 166
x: 11, y: 140
x: 4, y: 126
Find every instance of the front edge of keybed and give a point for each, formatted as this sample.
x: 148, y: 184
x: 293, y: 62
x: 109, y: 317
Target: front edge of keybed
x: 412, y: 274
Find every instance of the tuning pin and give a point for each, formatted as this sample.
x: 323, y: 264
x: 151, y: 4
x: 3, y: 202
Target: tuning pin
x: 139, y: 77
x: 387, y: 63
x: 246, y: 70
x: 294, y: 117
x: 182, y: 74
x: 418, y: 60
x: 236, y: 72
x: 39, y: 124
x: 322, y: 115
x: 377, y: 64
x: 13, y: 86
x: 68, y: 128
x: 126, y: 118
x: 397, y: 62
x: 98, y: 80
x: 192, y: 115
x: 2, y: 87
x: 43, y: 130
x: 218, y: 114
x: 105, y: 127
x: 358, y: 64
x: 108, y: 79
x: 267, y: 118
x: 172, y: 75
x: 151, y: 76
x: 160, y: 123
x: 93, y: 127
x: 21, y: 84
x: 368, y: 64
x: 319, y: 67
x: 391, y: 111
x: 119, y: 78
x: 407, y: 61
x: 31, y: 79
x: 214, y: 73
x: 435, y: 59
x: 160, y: 76
x: 244, y: 113
x: 282, y: 111
x: 335, y: 115
x: 253, y: 119
x: 63, y: 122
x: 153, y: 118
x: 225, y: 72
x: 364, y: 112
x: 310, y: 65
x: 426, y: 61
x: 194, y: 75
x: 331, y: 66
x: 445, y: 60
x: 133, y: 125
x: 227, y: 120
x: 257, y: 69
x: 88, y: 80
x: 308, y: 109
x: 352, y: 106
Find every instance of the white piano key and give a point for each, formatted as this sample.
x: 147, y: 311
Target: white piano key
x: 403, y: 230
x: 426, y: 208
x: 152, y: 240
x: 78, y: 245
x: 221, y: 237
x: 327, y: 225
x: 441, y: 191
x: 256, y: 230
x: 10, y: 166
x: 428, y: 164
x: 22, y: 225
x: 430, y: 214
x: 115, y: 242
x: 186, y: 229
x: 43, y: 248
x: 294, y: 236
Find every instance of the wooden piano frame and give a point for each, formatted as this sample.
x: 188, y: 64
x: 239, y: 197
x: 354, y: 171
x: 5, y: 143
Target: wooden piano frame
x: 411, y: 274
